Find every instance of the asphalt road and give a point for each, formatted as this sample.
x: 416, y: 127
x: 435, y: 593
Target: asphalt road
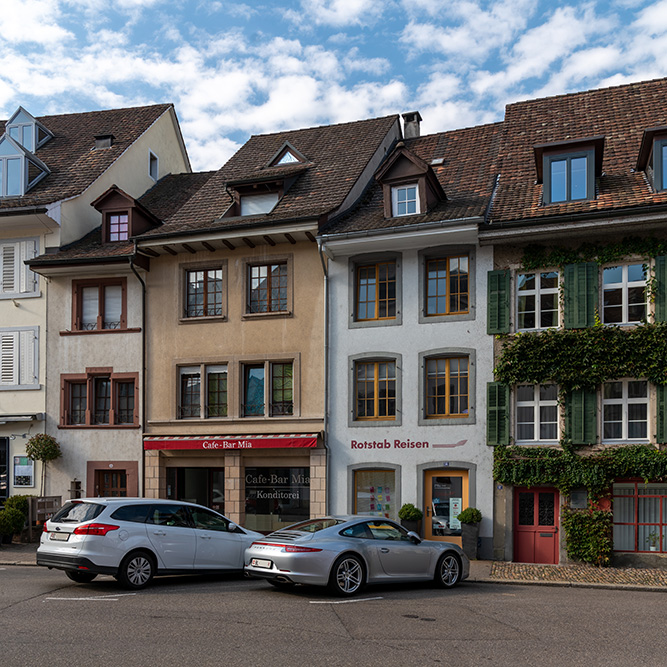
x: 47, y: 620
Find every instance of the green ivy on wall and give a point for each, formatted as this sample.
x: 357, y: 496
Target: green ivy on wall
x: 584, y: 358
x: 588, y: 535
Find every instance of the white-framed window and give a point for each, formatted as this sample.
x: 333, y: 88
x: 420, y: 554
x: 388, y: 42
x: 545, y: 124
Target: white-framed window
x: 18, y: 358
x: 258, y: 204
x: 16, y: 279
x: 625, y: 410
x: 153, y: 165
x: 537, y: 300
x: 624, y: 293
x: 537, y: 413
x: 19, y: 171
x: 405, y: 199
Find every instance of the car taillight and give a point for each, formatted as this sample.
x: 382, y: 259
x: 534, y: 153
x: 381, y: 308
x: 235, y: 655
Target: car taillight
x: 45, y: 528
x: 95, y: 529
x: 292, y: 549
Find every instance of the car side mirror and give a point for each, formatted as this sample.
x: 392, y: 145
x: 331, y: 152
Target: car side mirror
x: 414, y: 537
x: 233, y: 528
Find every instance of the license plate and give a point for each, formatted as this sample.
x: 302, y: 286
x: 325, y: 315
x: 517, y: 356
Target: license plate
x: 63, y: 537
x: 260, y: 562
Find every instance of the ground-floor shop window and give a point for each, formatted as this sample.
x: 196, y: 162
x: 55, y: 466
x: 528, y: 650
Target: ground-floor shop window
x: 640, y: 516
x: 374, y: 493
x: 204, y: 486
x: 276, y: 497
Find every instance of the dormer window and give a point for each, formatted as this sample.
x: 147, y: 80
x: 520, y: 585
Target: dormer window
x: 122, y: 216
x: 19, y: 171
x: 119, y: 226
x: 26, y: 130
x: 568, y: 169
x: 653, y: 157
x: 286, y: 155
x: 258, y: 204
x: 288, y: 158
x: 405, y: 199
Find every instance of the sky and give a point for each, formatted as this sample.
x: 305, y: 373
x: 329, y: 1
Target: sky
x: 233, y: 69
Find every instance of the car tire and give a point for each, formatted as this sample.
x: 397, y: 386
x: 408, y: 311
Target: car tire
x: 80, y: 577
x: 136, y: 570
x: 448, y: 570
x: 347, y: 575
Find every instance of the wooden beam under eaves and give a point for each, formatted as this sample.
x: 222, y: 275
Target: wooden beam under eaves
x: 169, y: 249
x: 269, y: 240
x: 189, y: 248
x: 229, y: 244
x: 290, y: 238
x: 248, y: 242
x: 149, y: 252
x: 310, y: 237
x: 208, y: 246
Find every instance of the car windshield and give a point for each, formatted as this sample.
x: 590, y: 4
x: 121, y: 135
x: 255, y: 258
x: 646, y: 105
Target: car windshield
x: 77, y: 512
x: 314, y: 525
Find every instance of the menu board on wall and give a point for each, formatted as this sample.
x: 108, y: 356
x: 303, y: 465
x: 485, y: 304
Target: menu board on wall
x: 24, y: 471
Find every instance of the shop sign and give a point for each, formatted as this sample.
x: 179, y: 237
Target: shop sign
x: 221, y: 443
x: 24, y: 471
x: 402, y: 444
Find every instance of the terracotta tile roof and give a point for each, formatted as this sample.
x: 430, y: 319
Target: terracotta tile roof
x: 70, y: 157
x: 467, y: 176
x: 620, y: 114
x: 170, y: 193
x: 336, y: 154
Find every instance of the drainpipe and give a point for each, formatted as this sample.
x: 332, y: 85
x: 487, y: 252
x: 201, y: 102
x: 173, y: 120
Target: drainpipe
x: 325, y: 435
x: 143, y: 371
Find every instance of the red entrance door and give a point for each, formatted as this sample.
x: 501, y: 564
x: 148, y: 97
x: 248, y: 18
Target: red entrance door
x: 536, y: 525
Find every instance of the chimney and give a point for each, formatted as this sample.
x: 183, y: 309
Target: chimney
x: 411, y: 121
x: 103, y: 141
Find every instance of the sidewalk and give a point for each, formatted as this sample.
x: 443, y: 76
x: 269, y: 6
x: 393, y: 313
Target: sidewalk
x: 484, y: 571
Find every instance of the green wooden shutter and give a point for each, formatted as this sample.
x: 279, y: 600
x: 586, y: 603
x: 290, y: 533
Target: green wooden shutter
x: 581, y: 416
x: 498, y: 414
x: 581, y: 295
x: 498, y: 310
x: 661, y: 426
x: 661, y: 289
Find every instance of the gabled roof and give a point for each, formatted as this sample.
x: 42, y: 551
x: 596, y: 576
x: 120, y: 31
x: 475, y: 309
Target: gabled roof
x: 620, y: 114
x: 338, y: 155
x: 69, y: 155
x: 464, y: 162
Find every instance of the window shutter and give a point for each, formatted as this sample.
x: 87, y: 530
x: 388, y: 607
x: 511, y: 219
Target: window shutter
x: 581, y: 295
x: 27, y: 349
x: 661, y: 426
x: 498, y: 417
x: 581, y: 414
x: 9, y: 344
x: 498, y: 311
x: 8, y: 266
x: 661, y: 289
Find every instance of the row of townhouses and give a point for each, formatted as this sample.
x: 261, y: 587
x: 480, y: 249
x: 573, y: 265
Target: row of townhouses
x: 345, y: 318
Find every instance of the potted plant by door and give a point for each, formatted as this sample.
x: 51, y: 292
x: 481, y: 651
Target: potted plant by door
x: 470, y: 519
x: 653, y: 540
x: 11, y: 522
x: 411, y: 517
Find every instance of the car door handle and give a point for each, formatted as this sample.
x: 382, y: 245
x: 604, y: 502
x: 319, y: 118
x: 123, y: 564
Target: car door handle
x: 384, y: 551
x: 161, y: 533
x: 205, y: 537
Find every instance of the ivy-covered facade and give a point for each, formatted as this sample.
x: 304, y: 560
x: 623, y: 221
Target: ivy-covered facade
x: 577, y: 307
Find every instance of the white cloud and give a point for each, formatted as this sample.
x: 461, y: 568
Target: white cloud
x: 32, y: 21
x: 337, y: 13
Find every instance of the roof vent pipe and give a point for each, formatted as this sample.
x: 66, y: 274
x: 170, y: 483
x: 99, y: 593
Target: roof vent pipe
x: 411, y: 121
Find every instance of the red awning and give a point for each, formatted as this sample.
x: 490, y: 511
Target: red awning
x: 222, y: 442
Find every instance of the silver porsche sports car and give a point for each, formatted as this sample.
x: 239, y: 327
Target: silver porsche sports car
x: 348, y: 552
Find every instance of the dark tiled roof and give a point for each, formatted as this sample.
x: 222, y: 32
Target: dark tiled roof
x: 467, y: 176
x: 336, y: 154
x: 620, y: 114
x: 170, y: 193
x: 70, y: 157
x: 87, y: 249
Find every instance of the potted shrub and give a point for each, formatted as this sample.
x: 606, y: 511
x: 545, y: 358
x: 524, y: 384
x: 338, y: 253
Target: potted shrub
x: 11, y: 522
x: 653, y: 539
x: 21, y: 503
x: 470, y: 519
x: 411, y: 517
x: 44, y: 448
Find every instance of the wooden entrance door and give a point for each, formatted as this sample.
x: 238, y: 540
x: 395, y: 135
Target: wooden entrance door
x: 445, y: 496
x: 536, y: 525
x: 110, y: 483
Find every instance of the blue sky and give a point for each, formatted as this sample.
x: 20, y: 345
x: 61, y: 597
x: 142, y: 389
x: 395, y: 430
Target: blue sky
x: 233, y: 69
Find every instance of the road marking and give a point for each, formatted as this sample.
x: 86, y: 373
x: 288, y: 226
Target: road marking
x: 342, y: 601
x: 101, y: 598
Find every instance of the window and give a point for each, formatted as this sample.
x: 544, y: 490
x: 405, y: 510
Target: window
x: 18, y: 171
x: 375, y: 390
x: 99, y: 305
x: 570, y: 176
x: 25, y: 130
x: 640, y: 516
x: 153, y: 165
x: 447, y: 387
x: 657, y: 163
x: 18, y: 358
x: 16, y: 279
x: 376, y: 291
x: 203, y: 293
x: 375, y: 493
x: 267, y: 288
x: 537, y: 413
x: 258, y: 204
x: 99, y: 399
x: 280, y: 390
x: 119, y: 227
x: 447, y: 285
x: 624, y: 294
x: 625, y: 410
x: 537, y: 300
x: 405, y: 200
x: 191, y: 380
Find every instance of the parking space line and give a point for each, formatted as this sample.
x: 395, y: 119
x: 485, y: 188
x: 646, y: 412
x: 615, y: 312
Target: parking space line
x: 342, y: 601
x: 101, y: 598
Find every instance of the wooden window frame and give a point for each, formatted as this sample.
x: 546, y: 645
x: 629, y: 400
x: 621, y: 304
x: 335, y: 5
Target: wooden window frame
x: 448, y: 286
x: 251, y: 264
x: 377, y: 399
x: 270, y: 410
x: 203, y: 371
x: 101, y: 284
x: 536, y: 403
x: 88, y: 379
x: 375, y: 266
x: 447, y: 395
x: 119, y: 228
x: 206, y: 292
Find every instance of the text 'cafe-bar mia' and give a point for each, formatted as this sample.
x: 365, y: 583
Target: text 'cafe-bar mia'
x: 261, y: 481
